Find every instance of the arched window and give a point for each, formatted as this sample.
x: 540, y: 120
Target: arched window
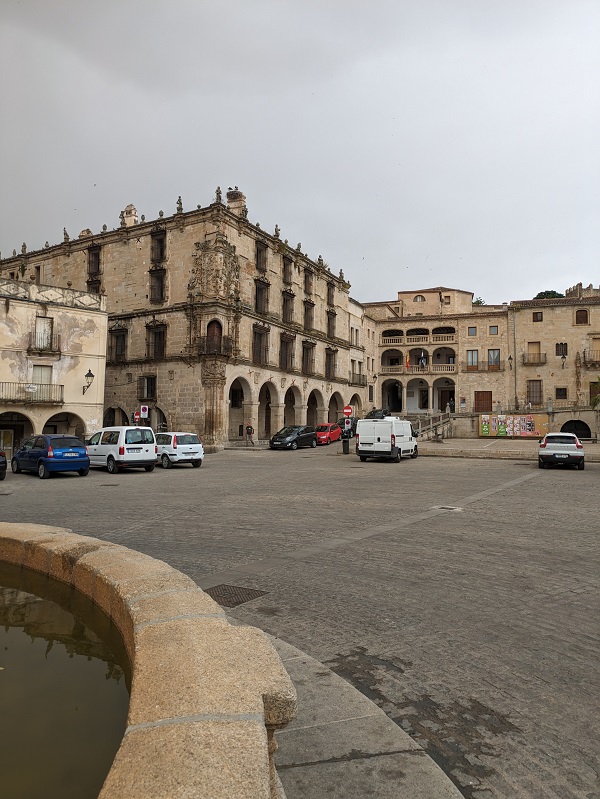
x: 214, y: 335
x: 581, y: 317
x: 419, y: 298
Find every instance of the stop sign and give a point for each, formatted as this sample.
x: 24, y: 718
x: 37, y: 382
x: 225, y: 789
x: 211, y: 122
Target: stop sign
x: 348, y: 410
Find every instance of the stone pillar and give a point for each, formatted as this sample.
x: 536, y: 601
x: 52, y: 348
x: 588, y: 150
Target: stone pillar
x: 322, y: 412
x: 251, y: 416
x: 430, y: 399
x: 276, y: 417
x: 403, y: 397
x: 213, y: 383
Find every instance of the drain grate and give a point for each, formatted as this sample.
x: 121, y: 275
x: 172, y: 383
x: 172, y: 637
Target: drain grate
x: 230, y: 596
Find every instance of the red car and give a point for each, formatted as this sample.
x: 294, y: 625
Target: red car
x: 326, y: 433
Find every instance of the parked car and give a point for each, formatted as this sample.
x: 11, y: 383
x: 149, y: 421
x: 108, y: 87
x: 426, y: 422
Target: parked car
x: 179, y: 448
x: 377, y: 413
x: 50, y: 453
x: 2, y: 464
x: 294, y: 436
x: 353, y: 422
x: 123, y: 446
x: 328, y: 432
x: 561, y: 448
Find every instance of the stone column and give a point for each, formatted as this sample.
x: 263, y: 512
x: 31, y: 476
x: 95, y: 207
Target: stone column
x: 430, y: 399
x: 403, y: 397
x: 276, y: 417
x: 213, y: 383
x: 251, y: 416
x: 322, y: 412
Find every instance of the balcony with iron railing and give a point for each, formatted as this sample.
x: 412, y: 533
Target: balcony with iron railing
x: 357, y: 379
x: 43, y: 342
x: 534, y: 358
x: 32, y: 393
x: 482, y: 366
x: 211, y: 345
x: 591, y: 359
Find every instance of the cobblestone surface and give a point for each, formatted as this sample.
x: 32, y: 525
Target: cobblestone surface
x: 476, y: 629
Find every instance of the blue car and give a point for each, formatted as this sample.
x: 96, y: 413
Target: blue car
x: 51, y: 453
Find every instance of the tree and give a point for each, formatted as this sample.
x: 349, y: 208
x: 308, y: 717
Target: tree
x: 548, y: 295
x: 478, y: 301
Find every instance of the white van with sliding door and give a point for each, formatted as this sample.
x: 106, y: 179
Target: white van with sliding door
x: 389, y: 438
x: 123, y: 447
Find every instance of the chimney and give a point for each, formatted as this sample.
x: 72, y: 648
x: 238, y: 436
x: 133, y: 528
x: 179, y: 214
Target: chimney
x: 236, y: 202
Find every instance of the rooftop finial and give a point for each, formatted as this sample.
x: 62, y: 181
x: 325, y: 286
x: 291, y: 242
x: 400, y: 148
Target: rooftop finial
x: 179, y: 205
x: 218, y: 195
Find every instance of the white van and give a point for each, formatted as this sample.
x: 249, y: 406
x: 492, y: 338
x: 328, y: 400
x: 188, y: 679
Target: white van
x: 119, y: 447
x: 389, y: 438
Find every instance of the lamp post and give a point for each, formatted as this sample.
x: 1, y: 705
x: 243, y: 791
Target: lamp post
x: 89, y: 379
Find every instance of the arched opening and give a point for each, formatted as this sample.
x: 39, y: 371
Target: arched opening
x: 418, y: 359
x: 14, y: 428
x: 158, y: 421
x: 391, y: 395
x: 444, y: 395
x: 443, y: 359
x: 214, y: 337
x: 393, y: 333
x: 392, y: 360
x: 239, y: 393
x: 289, y: 407
x: 114, y: 417
x: 336, y: 407
x: 356, y: 405
x: 315, y: 401
x: 417, y: 331
x: 266, y: 397
x: 417, y: 396
x: 443, y: 331
x: 577, y: 427
x: 66, y: 423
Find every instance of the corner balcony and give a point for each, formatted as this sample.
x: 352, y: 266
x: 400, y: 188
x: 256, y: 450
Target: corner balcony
x: 32, y: 393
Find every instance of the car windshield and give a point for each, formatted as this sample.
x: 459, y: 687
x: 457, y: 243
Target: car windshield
x: 188, y: 439
x: 286, y: 431
x: 323, y: 428
x: 139, y: 436
x: 65, y: 442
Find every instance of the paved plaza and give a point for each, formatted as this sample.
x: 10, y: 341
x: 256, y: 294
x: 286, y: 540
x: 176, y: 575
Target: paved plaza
x: 459, y: 595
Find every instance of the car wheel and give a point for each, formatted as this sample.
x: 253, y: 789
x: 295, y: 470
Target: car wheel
x: 328, y: 441
x: 112, y: 466
x: 313, y: 443
x: 415, y: 453
x: 2, y: 475
x: 294, y: 445
x: 581, y: 465
x: 363, y: 458
x: 83, y: 472
x: 43, y: 472
x: 197, y: 464
x: 149, y: 467
x: 166, y: 461
x: 16, y: 469
x: 541, y: 463
x: 396, y: 458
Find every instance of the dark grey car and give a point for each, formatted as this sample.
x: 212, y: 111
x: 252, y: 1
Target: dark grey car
x: 294, y: 436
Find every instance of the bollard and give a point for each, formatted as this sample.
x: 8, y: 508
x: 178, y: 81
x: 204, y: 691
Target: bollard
x: 345, y: 446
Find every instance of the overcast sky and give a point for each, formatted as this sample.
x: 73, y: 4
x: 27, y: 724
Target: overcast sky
x: 411, y: 143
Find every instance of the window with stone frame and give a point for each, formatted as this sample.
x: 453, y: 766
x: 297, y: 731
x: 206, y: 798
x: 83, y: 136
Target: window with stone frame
x: 330, y: 294
x: 330, y: 356
x: 560, y: 393
x: 157, y: 285
x: 582, y: 317
x: 309, y: 315
x: 562, y: 349
x: 308, y: 358
x: 308, y: 281
x: 117, y: 346
x: 261, y: 256
x: 156, y: 341
x: 261, y: 297
x: 146, y: 387
x: 331, y: 324
x: 494, y: 360
x: 534, y: 392
x: 288, y: 307
x: 286, y: 353
x: 482, y: 401
x: 260, y: 346
x: 158, y: 246
x: 93, y: 261
x: 537, y: 316
x: 287, y: 269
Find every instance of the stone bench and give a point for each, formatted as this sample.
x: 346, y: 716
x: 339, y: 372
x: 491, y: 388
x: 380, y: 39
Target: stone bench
x: 206, y: 696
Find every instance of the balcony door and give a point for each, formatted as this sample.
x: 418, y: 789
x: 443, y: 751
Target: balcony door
x: 43, y: 332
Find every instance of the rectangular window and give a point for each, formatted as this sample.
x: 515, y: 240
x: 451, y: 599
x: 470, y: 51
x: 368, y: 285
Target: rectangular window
x: 261, y: 256
x: 330, y: 294
x: 156, y: 342
x: 117, y: 346
x: 309, y: 316
x: 562, y: 349
x: 308, y: 282
x: 260, y: 347
x: 158, y: 246
x: 493, y: 360
x: 42, y: 375
x: 534, y: 392
x: 472, y: 360
x: 581, y: 317
x: 157, y: 285
x: 38, y: 274
x: 286, y: 354
x: 594, y: 390
x: 329, y: 365
x: 261, y: 300
x: 330, y: 325
x: 370, y: 393
x: 560, y: 393
x: 288, y: 308
x: 472, y: 331
x: 446, y: 299
x: 308, y: 359
x: 538, y: 316
x: 43, y: 332
x: 493, y: 330
x: 93, y: 261
x: 287, y: 269
x: 146, y: 387
x: 483, y: 402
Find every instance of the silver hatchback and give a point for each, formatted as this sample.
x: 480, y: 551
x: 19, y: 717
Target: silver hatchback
x: 561, y: 448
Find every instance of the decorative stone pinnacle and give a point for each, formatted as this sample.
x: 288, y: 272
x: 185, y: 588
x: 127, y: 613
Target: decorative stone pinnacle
x: 46, y: 245
x: 23, y: 248
x: 65, y: 234
x: 161, y: 214
x: 218, y: 195
x: 276, y: 231
x: 179, y: 205
x: 299, y: 247
x: 320, y: 260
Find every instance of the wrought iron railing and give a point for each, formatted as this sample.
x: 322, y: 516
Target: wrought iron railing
x: 42, y: 342
x: 534, y: 358
x: 211, y: 345
x: 357, y: 379
x: 31, y: 393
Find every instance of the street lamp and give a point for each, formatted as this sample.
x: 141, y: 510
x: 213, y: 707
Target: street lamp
x: 89, y: 379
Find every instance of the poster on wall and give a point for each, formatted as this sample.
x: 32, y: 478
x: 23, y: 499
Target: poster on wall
x: 512, y: 425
